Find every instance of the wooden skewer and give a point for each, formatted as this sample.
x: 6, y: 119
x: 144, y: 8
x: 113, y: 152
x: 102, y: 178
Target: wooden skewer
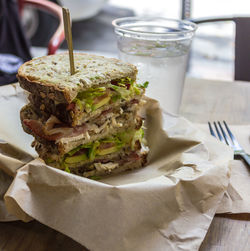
x: 68, y: 36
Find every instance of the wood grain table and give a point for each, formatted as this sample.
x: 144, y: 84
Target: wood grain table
x: 203, y: 100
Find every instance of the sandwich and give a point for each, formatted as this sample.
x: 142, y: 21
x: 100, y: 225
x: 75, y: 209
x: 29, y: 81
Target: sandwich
x: 87, y: 123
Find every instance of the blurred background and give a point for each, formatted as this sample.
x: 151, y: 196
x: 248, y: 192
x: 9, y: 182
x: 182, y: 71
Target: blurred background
x: 212, y: 54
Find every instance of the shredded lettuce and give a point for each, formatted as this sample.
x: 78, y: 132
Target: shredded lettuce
x: 139, y: 134
x: 49, y: 160
x: 115, y: 139
x: 116, y: 97
x: 67, y: 169
x: 78, y: 103
x: 87, y: 98
x: 123, y: 92
x: 144, y: 85
x: 93, y: 149
x: 75, y: 150
x: 125, y: 89
x: 126, y: 136
x: 91, y: 93
x: 117, y: 144
x: 137, y: 90
x: 95, y: 177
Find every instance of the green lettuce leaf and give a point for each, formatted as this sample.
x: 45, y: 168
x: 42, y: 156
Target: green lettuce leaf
x: 67, y: 170
x: 139, y: 134
x: 93, y: 150
x: 119, y: 140
x: 144, y: 85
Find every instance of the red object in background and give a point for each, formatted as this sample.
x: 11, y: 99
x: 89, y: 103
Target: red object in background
x: 55, y: 9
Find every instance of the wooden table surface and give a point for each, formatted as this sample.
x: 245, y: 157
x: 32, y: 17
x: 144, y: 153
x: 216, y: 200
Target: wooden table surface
x: 203, y: 100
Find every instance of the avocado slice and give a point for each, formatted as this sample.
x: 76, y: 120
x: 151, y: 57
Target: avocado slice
x: 108, y: 150
x: 101, y: 103
x: 127, y: 136
x: 76, y: 159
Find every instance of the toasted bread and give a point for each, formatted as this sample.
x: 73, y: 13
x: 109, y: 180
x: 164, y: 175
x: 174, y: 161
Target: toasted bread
x: 49, y: 76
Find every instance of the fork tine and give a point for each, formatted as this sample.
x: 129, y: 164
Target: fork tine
x: 211, y: 129
x: 224, y: 135
x: 218, y: 133
x: 235, y: 142
x: 232, y: 142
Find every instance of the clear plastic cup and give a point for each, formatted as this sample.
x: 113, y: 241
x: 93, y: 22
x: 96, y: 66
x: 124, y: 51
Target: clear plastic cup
x: 159, y: 48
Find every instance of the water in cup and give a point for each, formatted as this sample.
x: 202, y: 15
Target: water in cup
x: 159, y: 48
x: 163, y: 65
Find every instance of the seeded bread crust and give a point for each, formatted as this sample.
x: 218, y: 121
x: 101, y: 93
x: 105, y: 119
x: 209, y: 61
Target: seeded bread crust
x: 50, y: 77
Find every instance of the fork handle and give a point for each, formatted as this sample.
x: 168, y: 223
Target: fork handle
x: 246, y: 158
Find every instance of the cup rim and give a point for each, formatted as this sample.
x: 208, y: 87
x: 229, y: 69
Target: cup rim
x: 116, y: 25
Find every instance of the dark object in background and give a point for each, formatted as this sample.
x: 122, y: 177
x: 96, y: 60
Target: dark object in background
x: 242, y: 44
x: 14, y: 48
x: 47, y: 27
x: 39, y: 24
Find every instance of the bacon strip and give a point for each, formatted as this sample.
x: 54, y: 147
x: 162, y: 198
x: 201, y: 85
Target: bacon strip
x: 53, y: 134
x: 133, y: 156
x: 106, y: 145
x: 70, y: 106
x: 134, y: 101
x: 37, y: 128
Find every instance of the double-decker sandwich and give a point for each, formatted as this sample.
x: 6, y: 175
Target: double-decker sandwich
x: 86, y: 123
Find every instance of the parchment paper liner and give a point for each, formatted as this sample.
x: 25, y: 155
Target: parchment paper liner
x: 168, y: 205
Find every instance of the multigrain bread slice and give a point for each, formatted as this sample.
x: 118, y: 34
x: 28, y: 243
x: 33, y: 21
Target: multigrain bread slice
x: 49, y: 76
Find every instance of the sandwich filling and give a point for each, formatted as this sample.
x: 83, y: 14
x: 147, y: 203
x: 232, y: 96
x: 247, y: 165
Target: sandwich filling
x: 129, y: 161
x: 94, y: 98
x: 119, y: 147
x: 90, y: 103
x: 64, y: 138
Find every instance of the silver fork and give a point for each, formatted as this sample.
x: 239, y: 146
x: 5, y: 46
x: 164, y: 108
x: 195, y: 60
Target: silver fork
x: 238, y: 150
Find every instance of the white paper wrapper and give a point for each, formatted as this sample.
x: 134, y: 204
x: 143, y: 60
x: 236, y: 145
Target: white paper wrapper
x: 168, y: 205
